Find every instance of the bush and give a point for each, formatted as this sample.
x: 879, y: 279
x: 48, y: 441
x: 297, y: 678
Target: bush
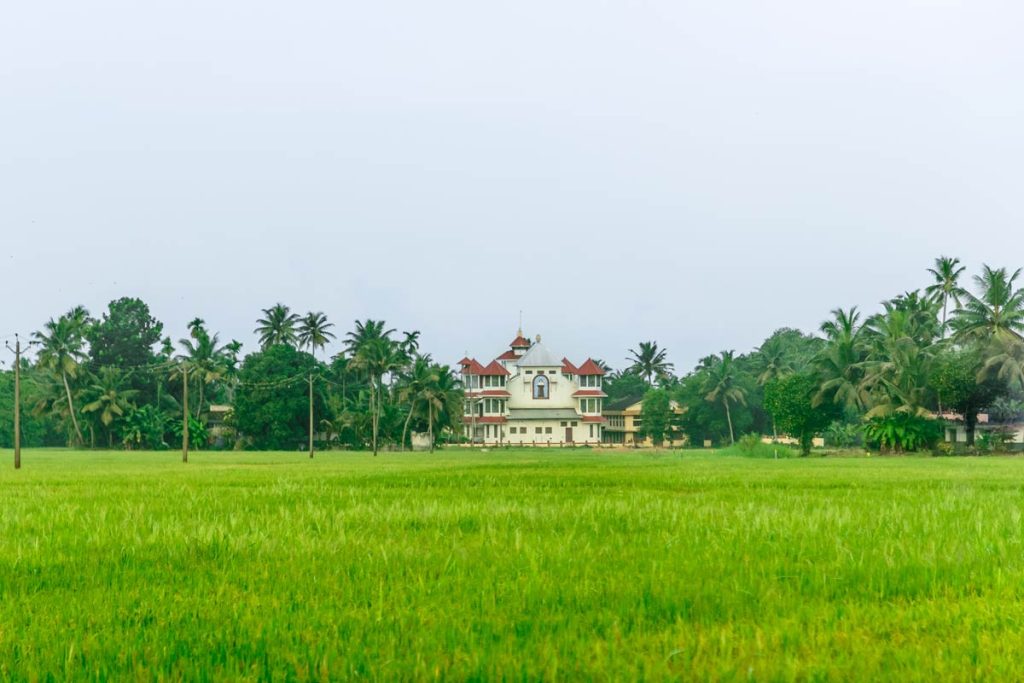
x: 902, y: 432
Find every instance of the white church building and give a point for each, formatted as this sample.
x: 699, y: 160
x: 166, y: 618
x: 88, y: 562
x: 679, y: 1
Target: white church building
x: 527, y: 396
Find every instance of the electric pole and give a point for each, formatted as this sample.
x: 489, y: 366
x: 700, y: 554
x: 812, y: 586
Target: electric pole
x: 184, y: 416
x: 311, y: 415
x: 17, y: 401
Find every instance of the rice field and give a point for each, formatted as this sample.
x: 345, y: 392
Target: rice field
x: 520, y: 565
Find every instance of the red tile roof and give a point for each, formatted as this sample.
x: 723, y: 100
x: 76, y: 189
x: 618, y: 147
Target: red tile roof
x: 499, y: 393
x: 590, y: 392
x: 568, y: 368
x: 520, y: 343
x: 593, y: 418
x: 508, y: 355
x: 590, y: 368
x: 495, y: 368
x: 471, y: 367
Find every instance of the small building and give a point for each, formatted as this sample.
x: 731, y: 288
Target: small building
x: 625, y: 425
x: 1009, y: 434
x: 528, y: 396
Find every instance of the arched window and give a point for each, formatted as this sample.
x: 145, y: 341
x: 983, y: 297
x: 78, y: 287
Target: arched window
x: 540, y: 386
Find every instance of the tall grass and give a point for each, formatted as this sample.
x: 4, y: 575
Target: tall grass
x: 512, y: 565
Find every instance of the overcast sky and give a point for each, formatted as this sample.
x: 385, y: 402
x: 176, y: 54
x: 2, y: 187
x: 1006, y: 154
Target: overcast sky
x: 696, y: 173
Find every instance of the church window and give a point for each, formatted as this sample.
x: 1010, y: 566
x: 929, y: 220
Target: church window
x: 540, y: 387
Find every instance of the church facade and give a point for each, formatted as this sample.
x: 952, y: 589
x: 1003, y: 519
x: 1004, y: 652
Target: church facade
x: 528, y: 396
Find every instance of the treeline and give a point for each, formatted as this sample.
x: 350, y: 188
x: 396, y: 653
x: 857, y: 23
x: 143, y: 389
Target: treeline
x: 117, y: 382
x: 889, y: 380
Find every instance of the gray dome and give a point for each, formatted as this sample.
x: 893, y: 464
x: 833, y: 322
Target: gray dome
x: 539, y: 357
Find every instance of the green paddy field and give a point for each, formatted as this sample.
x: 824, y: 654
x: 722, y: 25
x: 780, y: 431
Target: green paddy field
x: 510, y: 565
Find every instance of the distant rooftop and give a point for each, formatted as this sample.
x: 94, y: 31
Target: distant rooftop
x: 539, y: 357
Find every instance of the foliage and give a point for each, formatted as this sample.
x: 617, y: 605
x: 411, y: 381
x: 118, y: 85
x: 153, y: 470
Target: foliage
x: 145, y: 427
x: 277, y: 326
x: 198, y: 435
x: 1006, y: 409
x: 996, y: 312
x: 947, y: 272
x: 271, y: 402
x: 656, y: 416
x: 790, y: 400
x: 961, y: 386
x: 650, y: 362
x: 37, y: 428
x: 125, y: 336
x: 624, y: 385
x: 844, y: 434
x: 723, y: 386
x: 902, y: 432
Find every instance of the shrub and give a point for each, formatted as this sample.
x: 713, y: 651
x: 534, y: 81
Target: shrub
x: 902, y: 432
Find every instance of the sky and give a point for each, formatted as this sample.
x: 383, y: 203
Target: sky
x: 694, y: 173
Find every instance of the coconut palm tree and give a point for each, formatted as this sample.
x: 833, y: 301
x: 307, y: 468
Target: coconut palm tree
x: 62, y: 351
x: 195, y: 325
x: 314, y: 333
x: 277, y: 326
x: 723, y: 387
x: 773, y: 360
x: 419, y: 376
x: 996, y: 312
x: 947, y: 272
x: 443, y: 399
x: 839, y: 363
x: 1006, y: 363
x: 377, y: 357
x: 899, y: 362
x: 205, y: 360
x: 109, y: 397
x: 365, y: 333
x: 649, y: 361
x: 411, y: 343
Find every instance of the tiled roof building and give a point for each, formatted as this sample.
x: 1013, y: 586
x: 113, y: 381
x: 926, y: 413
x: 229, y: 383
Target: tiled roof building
x: 528, y: 395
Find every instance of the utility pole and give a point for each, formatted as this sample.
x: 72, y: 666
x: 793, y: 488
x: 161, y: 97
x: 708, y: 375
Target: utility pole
x: 17, y: 401
x: 311, y: 415
x: 184, y: 417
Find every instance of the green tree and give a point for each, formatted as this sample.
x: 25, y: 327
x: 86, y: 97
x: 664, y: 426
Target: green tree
x: 125, y: 336
x: 900, y: 356
x: 419, y: 377
x: 947, y: 272
x: 205, y: 360
x: 270, y: 403
x: 790, y: 400
x: 378, y: 357
x: 996, y: 312
x: 839, y: 364
x: 277, y: 326
x: 62, y: 351
x: 723, y: 387
x: 963, y: 386
x: 624, y: 384
x: 1005, y: 362
x: 656, y: 415
x: 650, y: 362
x: 443, y: 399
x: 109, y: 397
x: 314, y: 333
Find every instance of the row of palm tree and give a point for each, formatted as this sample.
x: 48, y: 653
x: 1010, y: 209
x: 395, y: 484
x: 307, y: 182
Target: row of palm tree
x: 377, y: 374
x: 872, y: 368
